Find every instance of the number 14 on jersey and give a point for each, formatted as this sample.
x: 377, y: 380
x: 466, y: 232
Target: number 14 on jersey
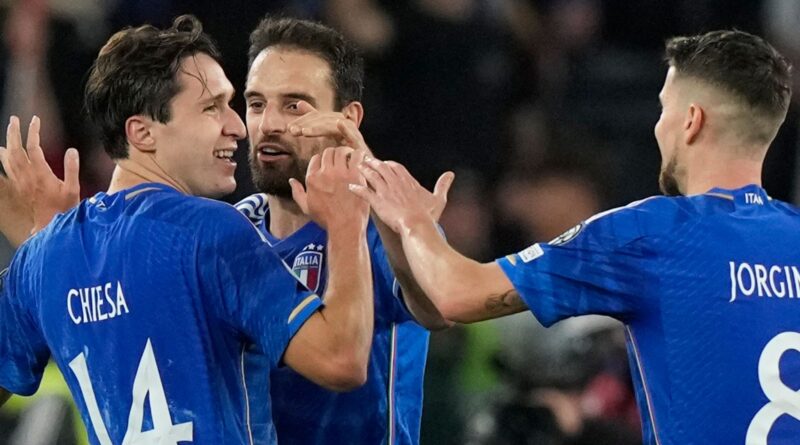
x: 147, y: 382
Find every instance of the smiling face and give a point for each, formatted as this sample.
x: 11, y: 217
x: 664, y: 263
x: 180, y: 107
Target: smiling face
x: 195, y: 147
x: 279, y: 78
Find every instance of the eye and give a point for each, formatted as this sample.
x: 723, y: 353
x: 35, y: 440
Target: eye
x: 255, y: 105
x: 210, y: 108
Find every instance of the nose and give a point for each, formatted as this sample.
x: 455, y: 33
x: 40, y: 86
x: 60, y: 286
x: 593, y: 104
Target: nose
x: 234, y: 126
x: 272, y: 121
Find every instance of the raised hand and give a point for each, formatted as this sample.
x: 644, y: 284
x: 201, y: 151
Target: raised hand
x: 333, y: 124
x: 396, y: 197
x: 16, y: 214
x: 31, y: 183
x: 326, y: 197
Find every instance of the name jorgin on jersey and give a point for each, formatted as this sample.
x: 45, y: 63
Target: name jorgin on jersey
x: 98, y: 303
x: 759, y: 280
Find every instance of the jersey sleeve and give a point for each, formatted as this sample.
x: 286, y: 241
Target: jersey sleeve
x: 597, y: 267
x: 23, y: 350
x: 257, y: 293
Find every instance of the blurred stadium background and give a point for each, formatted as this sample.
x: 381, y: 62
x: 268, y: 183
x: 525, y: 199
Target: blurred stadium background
x: 544, y: 108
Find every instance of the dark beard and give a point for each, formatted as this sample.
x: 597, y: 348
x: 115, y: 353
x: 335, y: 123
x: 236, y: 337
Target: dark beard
x: 667, y: 180
x: 273, y: 179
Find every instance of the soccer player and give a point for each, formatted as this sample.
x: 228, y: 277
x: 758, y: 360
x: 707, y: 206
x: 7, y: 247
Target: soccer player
x: 707, y: 280
x: 296, y: 66
x: 147, y: 296
x: 303, y: 93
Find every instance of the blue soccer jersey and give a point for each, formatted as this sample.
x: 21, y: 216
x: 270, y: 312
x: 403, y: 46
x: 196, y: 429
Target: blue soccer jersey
x: 388, y: 408
x: 146, y: 299
x: 709, y: 289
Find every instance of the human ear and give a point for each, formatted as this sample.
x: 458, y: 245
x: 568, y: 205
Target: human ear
x: 139, y: 133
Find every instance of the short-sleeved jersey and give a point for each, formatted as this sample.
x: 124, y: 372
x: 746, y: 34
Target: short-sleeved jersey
x: 147, y: 299
x: 388, y: 408
x: 709, y: 289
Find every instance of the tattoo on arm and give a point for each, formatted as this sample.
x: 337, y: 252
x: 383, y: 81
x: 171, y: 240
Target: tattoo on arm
x: 505, y: 304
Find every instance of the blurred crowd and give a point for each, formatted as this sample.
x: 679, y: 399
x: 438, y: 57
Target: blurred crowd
x: 543, y: 108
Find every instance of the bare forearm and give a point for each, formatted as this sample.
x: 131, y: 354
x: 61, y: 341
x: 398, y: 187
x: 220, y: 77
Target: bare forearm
x: 332, y: 348
x: 462, y: 289
x: 421, y: 307
x: 348, y: 297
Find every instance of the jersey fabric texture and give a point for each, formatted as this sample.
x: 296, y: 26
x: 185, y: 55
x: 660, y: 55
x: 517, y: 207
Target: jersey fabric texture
x: 388, y: 408
x: 146, y: 300
x: 709, y: 289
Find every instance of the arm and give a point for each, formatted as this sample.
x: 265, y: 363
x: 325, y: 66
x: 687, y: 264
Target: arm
x: 16, y: 220
x: 332, y: 348
x: 462, y: 289
x: 418, y: 302
x: 31, y: 195
x: 316, y: 124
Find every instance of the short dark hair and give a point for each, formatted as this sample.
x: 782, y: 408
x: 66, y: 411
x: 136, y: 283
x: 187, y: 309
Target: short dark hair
x: 739, y: 63
x: 136, y: 72
x: 344, y: 60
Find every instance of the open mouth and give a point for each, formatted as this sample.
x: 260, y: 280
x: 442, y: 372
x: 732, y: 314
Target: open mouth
x: 268, y: 153
x: 225, y: 154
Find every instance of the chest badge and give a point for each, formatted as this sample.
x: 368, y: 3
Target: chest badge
x: 307, y: 266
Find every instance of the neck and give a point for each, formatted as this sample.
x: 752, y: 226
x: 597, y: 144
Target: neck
x: 129, y: 173
x: 727, y: 174
x: 285, y: 217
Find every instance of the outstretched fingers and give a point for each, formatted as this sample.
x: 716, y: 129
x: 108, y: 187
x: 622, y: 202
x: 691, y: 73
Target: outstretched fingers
x: 351, y: 135
x: 371, y: 170
x: 72, y: 186
x: 443, y: 184
x: 18, y: 166
x: 364, y: 192
x: 299, y: 194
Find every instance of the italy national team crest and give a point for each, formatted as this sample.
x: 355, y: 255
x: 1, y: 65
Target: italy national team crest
x: 308, y: 266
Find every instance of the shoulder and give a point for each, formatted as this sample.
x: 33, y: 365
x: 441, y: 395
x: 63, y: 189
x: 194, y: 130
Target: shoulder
x: 222, y: 221
x: 666, y: 210
x: 210, y: 222
x: 645, y: 218
x: 789, y: 209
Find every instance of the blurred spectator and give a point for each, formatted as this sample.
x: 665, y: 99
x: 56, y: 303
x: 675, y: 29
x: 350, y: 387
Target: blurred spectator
x: 782, y: 169
x: 439, y: 81
x: 545, y: 374
x: 539, y: 201
x: 458, y: 358
x: 545, y: 109
x: 48, y: 45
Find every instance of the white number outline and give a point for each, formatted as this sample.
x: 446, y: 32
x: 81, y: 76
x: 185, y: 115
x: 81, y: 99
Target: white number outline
x: 147, y: 381
x: 782, y: 399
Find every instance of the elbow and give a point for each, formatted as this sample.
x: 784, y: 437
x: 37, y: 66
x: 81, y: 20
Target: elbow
x: 451, y: 308
x: 438, y: 323
x: 454, y: 311
x: 345, y: 374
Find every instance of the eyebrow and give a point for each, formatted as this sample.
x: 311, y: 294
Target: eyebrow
x: 291, y: 95
x: 221, y: 97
